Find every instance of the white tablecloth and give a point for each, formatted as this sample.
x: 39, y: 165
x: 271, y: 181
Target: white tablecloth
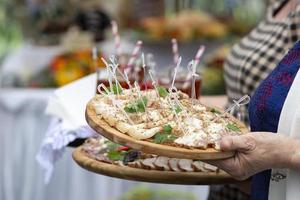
x: 22, y: 127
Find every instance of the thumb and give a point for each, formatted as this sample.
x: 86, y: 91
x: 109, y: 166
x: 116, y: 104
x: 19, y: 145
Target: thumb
x: 241, y: 143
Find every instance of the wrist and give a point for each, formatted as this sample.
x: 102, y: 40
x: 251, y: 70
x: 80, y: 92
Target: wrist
x: 286, y: 153
x: 294, y: 155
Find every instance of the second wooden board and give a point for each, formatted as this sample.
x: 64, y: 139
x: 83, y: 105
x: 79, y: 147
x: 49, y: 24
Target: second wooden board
x: 153, y: 176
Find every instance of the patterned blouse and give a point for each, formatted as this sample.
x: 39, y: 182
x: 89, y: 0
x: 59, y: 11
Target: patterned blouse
x: 265, y: 109
x: 257, y: 54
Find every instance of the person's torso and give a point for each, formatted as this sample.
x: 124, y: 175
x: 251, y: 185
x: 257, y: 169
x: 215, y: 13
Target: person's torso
x: 257, y: 54
x: 266, y: 105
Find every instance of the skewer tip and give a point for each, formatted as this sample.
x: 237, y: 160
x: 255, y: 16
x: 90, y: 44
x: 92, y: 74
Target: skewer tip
x: 94, y: 53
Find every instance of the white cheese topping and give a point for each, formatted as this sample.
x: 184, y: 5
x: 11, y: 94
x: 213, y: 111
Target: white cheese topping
x: 101, y: 107
x: 154, y: 115
x: 194, y: 122
x: 196, y: 139
x: 215, y: 128
x: 199, y: 108
x: 207, y: 116
x: 108, y: 111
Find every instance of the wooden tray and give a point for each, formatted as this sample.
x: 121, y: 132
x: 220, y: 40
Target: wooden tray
x: 153, y: 176
x: 103, y: 128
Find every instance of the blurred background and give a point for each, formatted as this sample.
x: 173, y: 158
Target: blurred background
x: 45, y: 44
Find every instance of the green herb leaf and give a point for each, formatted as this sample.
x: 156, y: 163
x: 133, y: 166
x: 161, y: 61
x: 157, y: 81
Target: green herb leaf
x: 116, y: 89
x: 137, y: 106
x: 115, y: 155
x: 163, y: 137
x: 162, y: 91
x: 178, y: 109
x: 141, y: 103
x: 130, y: 108
x: 111, y: 146
x: 215, y: 111
x: 167, y: 129
x: 233, y: 127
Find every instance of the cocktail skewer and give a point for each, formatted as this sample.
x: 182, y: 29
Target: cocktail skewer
x: 199, y: 54
x: 113, y: 60
x: 144, y: 70
x: 244, y: 100
x: 175, y: 72
x: 109, y: 74
x: 116, y: 36
x: 134, y: 54
x: 175, y: 51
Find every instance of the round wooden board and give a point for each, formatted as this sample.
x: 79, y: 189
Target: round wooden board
x: 153, y: 176
x: 103, y: 128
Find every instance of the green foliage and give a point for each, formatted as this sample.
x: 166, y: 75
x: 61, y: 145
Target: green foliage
x: 233, y: 127
x: 162, y: 91
x: 10, y: 29
x: 213, y: 110
x: 111, y: 146
x: 116, y: 89
x: 143, y: 193
x: 165, y: 135
x: 167, y: 129
x: 213, y: 81
x: 116, y: 155
x: 137, y: 106
x: 178, y: 109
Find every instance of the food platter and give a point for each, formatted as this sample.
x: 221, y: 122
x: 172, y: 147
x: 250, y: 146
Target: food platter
x: 103, y: 128
x: 154, y: 176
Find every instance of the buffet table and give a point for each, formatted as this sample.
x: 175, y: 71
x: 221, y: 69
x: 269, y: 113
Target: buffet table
x: 23, y: 125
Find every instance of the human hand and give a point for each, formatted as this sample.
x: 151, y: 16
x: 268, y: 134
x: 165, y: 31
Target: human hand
x: 256, y: 152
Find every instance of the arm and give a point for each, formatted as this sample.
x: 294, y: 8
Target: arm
x: 259, y: 151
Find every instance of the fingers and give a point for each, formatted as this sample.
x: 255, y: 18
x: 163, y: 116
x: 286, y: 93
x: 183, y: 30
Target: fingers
x: 232, y: 167
x: 242, y: 143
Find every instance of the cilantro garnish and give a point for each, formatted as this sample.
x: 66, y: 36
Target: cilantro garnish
x: 165, y: 135
x: 178, y: 109
x: 137, y: 106
x: 162, y: 91
x: 116, y: 155
x: 167, y: 129
x: 213, y: 110
x: 233, y: 127
x: 111, y: 146
x: 116, y: 89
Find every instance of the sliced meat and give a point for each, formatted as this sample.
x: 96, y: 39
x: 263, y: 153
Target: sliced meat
x: 148, y: 163
x: 173, y: 164
x: 185, y: 165
x: 198, y: 166
x: 161, y: 163
x: 210, y: 168
x: 103, y: 158
x: 135, y: 164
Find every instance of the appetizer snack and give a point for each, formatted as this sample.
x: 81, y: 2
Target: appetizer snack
x: 106, y: 151
x: 163, y: 117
